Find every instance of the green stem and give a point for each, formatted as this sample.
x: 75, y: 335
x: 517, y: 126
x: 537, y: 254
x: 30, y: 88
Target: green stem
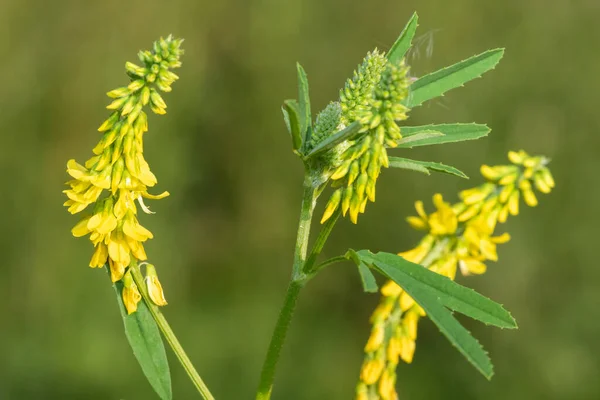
x: 320, y: 242
x: 168, y: 333
x: 298, y: 280
x: 327, y: 262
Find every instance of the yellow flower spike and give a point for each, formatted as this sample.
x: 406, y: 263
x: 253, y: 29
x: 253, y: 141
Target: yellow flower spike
x: 465, y: 244
x: 155, y: 290
x: 376, y: 338
x: 130, y: 294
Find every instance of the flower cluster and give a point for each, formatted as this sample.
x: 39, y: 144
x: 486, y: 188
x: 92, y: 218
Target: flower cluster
x: 373, y: 98
x: 118, y: 166
x: 459, y: 236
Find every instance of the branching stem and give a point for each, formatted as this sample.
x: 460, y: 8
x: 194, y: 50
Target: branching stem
x: 298, y: 280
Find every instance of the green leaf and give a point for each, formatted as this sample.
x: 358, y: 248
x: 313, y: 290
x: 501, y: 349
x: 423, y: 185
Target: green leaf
x: 347, y: 133
x: 448, y: 133
x: 425, y: 166
x: 439, y: 82
x: 147, y: 345
x: 368, y: 280
x: 291, y: 114
x: 434, y: 292
x: 366, y: 276
x: 304, y: 102
x: 402, y: 44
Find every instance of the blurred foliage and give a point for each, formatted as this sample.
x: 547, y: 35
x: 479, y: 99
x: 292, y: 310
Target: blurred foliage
x: 224, y: 239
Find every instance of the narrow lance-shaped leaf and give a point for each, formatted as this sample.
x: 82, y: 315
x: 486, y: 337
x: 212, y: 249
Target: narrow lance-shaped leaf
x: 415, y: 165
x: 413, y: 136
x: 347, y: 133
x: 439, y: 82
x: 403, y: 43
x: 304, y: 104
x: 291, y: 115
x: 147, y: 345
x: 433, y: 293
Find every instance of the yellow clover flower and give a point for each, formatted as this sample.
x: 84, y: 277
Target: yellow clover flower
x: 119, y: 168
x: 459, y: 237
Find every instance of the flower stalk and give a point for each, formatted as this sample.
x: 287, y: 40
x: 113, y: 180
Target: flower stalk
x: 169, y: 335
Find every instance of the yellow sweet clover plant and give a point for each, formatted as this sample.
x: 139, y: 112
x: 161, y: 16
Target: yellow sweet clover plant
x: 344, y: 150
x: 458, y: 237
x: 113, y: 183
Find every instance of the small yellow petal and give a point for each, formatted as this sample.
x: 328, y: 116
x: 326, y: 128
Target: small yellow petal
x: 81, y: 229
x: 371, y: 371
x: 406, y: 301
x: 472, y: 266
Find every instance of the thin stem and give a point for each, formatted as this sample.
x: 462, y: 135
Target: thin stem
x: 298, y: 280
x: 320, y: 242
x: 327, y: 262
x: 168, y: 333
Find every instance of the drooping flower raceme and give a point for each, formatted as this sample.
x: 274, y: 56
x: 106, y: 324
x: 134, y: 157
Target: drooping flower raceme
x: 373, y: 98
x: 459, y: 237
x: 119, y: 170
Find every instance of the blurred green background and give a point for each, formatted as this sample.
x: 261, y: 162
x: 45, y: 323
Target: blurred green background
x: 224, y: 239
